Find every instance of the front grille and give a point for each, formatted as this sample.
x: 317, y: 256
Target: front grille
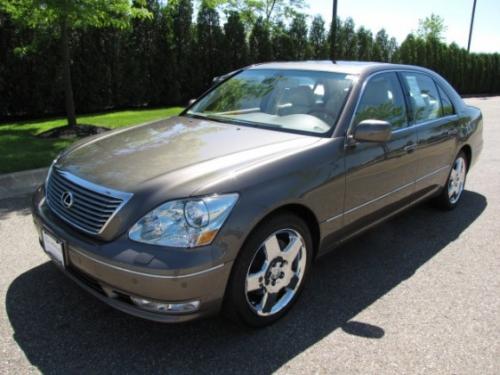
x: 83, y: 205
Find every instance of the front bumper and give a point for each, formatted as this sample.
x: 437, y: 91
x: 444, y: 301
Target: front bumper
x: 118, y: 270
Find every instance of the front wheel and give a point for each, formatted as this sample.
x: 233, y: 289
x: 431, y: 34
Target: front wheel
x: 455, y: 184
x: 270, y: 271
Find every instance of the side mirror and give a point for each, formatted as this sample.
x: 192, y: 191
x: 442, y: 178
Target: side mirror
x: 191, y: 102
x: 373, y: 131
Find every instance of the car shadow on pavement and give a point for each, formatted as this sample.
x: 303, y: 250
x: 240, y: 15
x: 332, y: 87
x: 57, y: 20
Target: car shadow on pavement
x: 62, y: 329
x: 15, y: 206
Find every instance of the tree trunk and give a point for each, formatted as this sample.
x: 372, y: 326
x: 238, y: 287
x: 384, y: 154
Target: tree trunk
x: 68, y: 86
x: 269, y: 11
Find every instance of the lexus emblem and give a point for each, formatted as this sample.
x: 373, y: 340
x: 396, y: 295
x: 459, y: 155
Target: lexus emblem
x: 67, y: 199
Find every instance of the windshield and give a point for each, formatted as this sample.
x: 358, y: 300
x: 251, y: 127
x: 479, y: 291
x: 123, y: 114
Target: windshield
x: 304, y: 101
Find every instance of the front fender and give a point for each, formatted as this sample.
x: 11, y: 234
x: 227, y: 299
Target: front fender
x: 312, y: 178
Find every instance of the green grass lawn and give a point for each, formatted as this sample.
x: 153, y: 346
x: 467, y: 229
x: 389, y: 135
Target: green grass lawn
x: 21, y: 149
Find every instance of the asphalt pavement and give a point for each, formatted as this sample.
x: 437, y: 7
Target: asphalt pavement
x: 418, y: 294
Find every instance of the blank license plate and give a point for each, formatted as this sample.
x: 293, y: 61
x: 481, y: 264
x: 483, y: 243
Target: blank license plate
x: 53, y: 247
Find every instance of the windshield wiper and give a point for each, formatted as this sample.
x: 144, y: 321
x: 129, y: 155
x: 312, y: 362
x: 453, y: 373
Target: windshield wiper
x: 204, y: 117
x: 234, y: 121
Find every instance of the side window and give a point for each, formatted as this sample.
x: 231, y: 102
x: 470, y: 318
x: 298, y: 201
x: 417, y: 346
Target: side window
x: 446, y: 103
x: 383, y: 100
x: 424, y: 97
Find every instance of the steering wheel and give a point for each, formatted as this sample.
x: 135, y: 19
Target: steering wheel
x: 323, y: 115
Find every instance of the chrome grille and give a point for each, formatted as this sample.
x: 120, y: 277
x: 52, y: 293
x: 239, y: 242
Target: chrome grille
x: 82, y: 204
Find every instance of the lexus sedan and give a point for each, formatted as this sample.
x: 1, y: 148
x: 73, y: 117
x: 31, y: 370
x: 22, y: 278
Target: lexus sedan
x: 226, y: 206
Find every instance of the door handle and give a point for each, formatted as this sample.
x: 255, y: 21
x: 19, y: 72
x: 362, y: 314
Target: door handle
x: 452, y: 132
x: 410, y: 147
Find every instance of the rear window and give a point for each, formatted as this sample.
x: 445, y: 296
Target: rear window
x: 447, y: 105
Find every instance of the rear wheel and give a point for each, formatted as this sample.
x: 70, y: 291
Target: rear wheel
x: 270, y: 271
x: 452, y: 192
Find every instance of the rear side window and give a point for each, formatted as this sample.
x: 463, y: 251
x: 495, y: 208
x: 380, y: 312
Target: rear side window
x: 382, y: 99
x: 446, y: 103
x: 424, y: 97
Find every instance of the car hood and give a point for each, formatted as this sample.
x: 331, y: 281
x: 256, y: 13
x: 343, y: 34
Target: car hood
x: 175, y: 150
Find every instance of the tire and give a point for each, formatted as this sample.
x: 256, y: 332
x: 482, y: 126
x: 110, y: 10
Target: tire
x: 252, y: 277
x: 450, y: 196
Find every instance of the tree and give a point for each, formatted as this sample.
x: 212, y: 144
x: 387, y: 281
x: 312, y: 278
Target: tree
x: 381, y: 47
x: 431, y: 27
x: 209, y: 43
x: 407, y: 50
x: 298, y: 36
x: 259, y: 42
x: 282, y: 8
x: 346, y: 40
x: 26, y: 74
x: 62, y: 17
x: 181, y: 33
x: 317, y: 39
x: 281, y: 43
x: 393, y: 49
x: 421, y: 52
x: 236, y: 44
x: 146, y: 53
x: 365, y: 44
x: 268, y: 10
x: 166, y: 58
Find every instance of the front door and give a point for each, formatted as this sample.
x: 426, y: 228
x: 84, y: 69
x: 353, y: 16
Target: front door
x: 380, y: 175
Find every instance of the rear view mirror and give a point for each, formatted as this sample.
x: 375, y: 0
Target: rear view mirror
x: 216, y: 80
x: 373, y: 131
x: 219, y: 79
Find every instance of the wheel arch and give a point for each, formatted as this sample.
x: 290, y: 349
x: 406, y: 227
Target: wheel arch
x: 303, y: 212
x: 467, y: 150
x: 297, y: 209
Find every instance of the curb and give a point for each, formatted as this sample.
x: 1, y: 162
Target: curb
x: 21, y: 183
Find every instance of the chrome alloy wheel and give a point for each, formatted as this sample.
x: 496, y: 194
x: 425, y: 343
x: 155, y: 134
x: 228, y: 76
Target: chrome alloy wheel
x: 276, y: 272
x: 457, y: 180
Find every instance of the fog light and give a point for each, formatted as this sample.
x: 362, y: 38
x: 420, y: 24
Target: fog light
x: 166, y: 307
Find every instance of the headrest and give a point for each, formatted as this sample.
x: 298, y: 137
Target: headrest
x: 301, y: 96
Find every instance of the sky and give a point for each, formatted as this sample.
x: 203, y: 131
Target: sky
x: 400, y: 17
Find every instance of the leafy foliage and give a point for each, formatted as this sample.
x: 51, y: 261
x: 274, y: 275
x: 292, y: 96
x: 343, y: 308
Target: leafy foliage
x: 298, y: 33
x: 469, y: 73
x: 78, y: 14
x: 269, y: 10
x: 431, y: 27
x: 153, y: 54
x: 317, y: 39
x: 236, y: 47
x: 260, y: 44
x: 209, y: 42
x: 61, y: 17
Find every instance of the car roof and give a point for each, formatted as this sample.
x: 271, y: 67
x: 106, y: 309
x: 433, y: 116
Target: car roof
x: 349, y: 67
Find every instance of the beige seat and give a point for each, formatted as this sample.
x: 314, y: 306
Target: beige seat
x: 300, y: 100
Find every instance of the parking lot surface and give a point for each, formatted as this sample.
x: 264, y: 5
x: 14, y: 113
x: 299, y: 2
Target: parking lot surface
x: 418, y: 294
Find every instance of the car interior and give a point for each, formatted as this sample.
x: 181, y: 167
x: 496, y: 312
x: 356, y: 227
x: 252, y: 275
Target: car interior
x: 299, y: 102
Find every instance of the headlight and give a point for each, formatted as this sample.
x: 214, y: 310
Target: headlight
x: 185, y: 222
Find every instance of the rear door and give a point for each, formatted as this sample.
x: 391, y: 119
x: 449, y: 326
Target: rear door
x: 380, y: 175
x: 434, y: 117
